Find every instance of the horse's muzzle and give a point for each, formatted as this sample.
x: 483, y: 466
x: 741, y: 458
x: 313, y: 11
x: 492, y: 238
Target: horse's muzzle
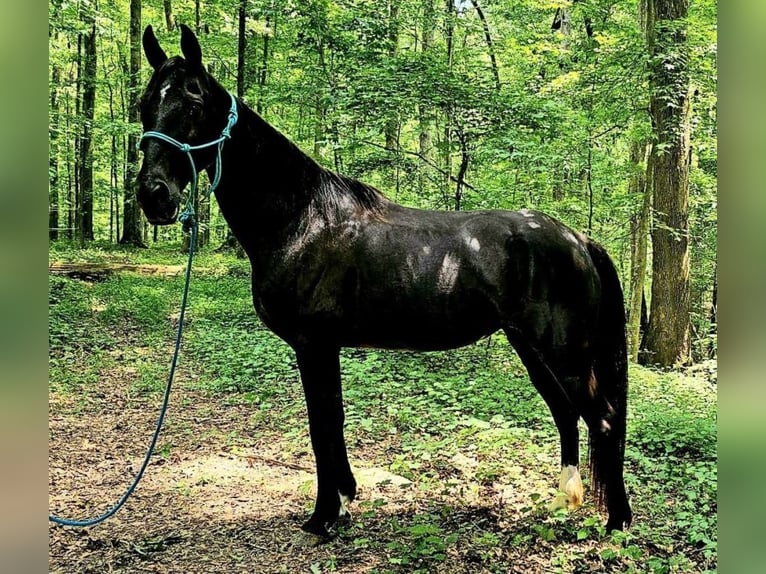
x: 158, y: 202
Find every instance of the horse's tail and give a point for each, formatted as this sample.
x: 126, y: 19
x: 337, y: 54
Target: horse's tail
x: 610, y: 368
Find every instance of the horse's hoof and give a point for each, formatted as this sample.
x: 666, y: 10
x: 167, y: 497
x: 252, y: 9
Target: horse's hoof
x: 303, y: 539
x: 619, y: 523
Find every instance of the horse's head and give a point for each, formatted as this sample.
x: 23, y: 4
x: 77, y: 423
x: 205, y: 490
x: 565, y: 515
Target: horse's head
x: 182, y: 101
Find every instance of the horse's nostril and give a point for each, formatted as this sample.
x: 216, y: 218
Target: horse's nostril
x: 161, y: 191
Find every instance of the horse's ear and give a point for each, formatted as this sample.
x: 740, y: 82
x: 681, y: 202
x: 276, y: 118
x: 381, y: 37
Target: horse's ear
x: 154, y: 52
x: 190, y: 47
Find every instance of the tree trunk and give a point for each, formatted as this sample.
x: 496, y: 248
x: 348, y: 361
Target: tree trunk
x: 231, y: 242
x: 488, y: 38
x: 713, y: 317
x: 465, y: 157
x: 132, y: 228
x: 168, y: 14
x: 53, y: 167
x: 668, y: 335
x: 447, y: 144
x: 88, y: 111
x: 392, y: 123
x: 241, y: 48
x: 640, y: 233
x: 264, y: 66
x: 425, y: 117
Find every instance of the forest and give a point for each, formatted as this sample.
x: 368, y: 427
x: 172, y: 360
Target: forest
x: 601, y: 113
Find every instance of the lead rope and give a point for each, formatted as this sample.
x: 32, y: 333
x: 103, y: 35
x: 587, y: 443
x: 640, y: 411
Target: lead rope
x: 189, y: 225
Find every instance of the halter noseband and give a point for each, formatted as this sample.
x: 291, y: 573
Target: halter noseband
x: 187, y: 215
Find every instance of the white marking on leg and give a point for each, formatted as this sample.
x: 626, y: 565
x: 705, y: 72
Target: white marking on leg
x: 344, y: 502
x: 448, y: 273
x: 570, y: 494
x: 571, y: 485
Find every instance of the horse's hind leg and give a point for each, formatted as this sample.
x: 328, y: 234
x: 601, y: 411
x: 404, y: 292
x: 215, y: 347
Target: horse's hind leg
x: 336, y: 486
x: 605, y: 450
x: 565, y: 415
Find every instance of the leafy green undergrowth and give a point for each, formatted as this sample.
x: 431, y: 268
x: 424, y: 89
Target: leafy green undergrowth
x: 420, y: 415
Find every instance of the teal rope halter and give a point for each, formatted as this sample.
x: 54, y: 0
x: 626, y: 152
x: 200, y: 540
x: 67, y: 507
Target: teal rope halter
x: 190, y: 225
x: 187, y: 214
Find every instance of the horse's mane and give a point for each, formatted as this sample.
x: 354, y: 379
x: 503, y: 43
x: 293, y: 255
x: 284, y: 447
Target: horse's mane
x: 335, y: 191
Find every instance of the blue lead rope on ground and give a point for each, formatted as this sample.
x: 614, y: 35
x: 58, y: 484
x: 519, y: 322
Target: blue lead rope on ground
x: 189, y: 224
x: 163, y: 409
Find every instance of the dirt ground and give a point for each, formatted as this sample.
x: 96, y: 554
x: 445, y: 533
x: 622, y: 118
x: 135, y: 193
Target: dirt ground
x: 208, y: 504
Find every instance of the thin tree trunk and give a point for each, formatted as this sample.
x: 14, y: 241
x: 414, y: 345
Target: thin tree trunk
x: 69, y: 162
x: 425, y: 118
x: 464, y: 160
x: 231, y: 242
x: 392, y: 123
x: 197, y: 21
x: 447, y: 144
x: 638, y: 185
x: 263, y: 71
x: 53, y: 189
x: 167, y: 5
x: 88, y: 112
x: 132, y: 232
x: 488, y: 38
x: 241, y: 48
x: 713, y: 317
x: 668, y: 336
x: 77, y: 197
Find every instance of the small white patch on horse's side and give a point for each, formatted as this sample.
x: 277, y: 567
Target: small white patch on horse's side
x: 448, y: 273
x: 344, y: 502
x: 164, y: 92
x: 427, y: 250
x: 533, y: 224
x: 473, y: 243
x: 569, y: 236
x: 526, y: 213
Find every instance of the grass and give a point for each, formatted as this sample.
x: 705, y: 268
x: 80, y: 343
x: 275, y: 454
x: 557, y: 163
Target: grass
x: 420, y: 414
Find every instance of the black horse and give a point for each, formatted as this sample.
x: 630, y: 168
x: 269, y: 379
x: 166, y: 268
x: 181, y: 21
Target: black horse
x: 336, y: 264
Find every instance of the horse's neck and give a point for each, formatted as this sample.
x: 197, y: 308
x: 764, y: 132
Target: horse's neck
x: 266, y: 183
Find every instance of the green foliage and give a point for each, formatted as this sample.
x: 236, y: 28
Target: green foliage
x: 334, y: 74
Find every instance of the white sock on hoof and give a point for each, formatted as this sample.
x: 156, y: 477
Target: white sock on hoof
x: 344, y: 502
x: 570, y: 494
x: 571, y: 485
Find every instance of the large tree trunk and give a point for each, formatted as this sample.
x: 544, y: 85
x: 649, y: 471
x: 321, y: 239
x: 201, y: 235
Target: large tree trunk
x: 131, y: 228
x: 668, y: 335
x: 88, y: 112
x: 640, y: 235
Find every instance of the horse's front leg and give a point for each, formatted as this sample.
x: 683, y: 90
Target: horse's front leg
x: 320, y: 374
